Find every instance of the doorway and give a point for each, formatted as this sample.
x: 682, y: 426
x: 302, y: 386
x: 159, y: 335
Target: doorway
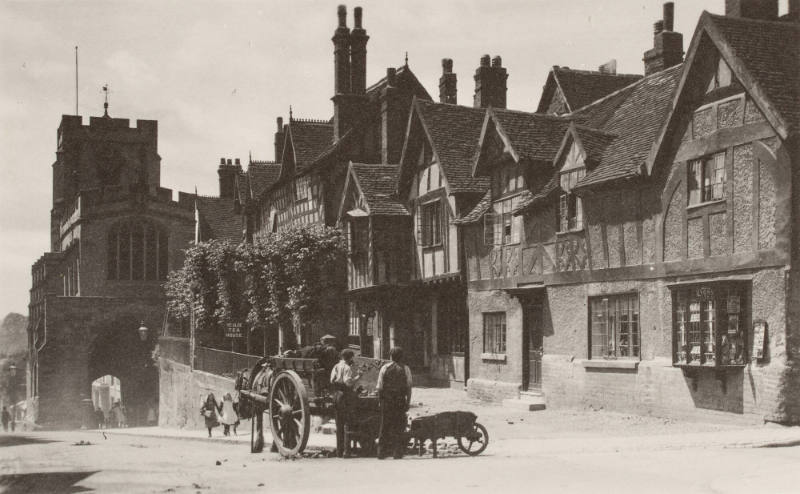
x: 532, y: 341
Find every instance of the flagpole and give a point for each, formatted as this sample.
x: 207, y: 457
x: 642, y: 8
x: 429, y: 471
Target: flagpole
x: 76, y: 81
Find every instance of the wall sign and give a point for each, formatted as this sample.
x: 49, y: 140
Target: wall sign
x: 234, y: 330
x: 759, y: 336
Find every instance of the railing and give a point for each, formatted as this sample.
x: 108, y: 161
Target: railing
x: 176, y: 349
x: 221, y: 362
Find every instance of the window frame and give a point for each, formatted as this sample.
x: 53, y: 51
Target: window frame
x: 495, y: 333
x: 634, y: 326
x: 430, y: 224
x: 711, y: 167
x: 302, y: 188
x: 151, y: 264
x: 570, y: 206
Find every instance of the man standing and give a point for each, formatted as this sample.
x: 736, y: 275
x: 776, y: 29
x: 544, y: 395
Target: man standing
x: 394, y: 392
x: 343, y: 380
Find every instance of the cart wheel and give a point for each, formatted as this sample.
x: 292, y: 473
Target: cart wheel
x: 475, y: 441
x: 289, y: 413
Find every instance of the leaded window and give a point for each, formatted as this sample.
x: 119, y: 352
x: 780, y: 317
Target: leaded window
x: 707, y: 179
x: 137, y: 250
x: 494, y: 332
x: 614, y: 326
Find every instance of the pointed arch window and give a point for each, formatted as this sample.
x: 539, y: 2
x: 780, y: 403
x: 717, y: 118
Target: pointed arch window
x: 137, y: 250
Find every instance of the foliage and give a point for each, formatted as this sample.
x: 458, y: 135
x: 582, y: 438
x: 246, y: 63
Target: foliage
x: 282, y: 281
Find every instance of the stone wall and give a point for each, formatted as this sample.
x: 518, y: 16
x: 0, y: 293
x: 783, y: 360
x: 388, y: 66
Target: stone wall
x: 182, y: 391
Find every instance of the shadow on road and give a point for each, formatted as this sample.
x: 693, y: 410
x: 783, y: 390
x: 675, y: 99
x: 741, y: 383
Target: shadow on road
x: 44, y: 483
x: 20, y: 440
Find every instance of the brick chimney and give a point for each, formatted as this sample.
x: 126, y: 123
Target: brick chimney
x: 667, y: 48
x: 490, y: 83
x: 447, y: 83
x: 358, y: 55
x: 341, y: 54
x: 350, y: 68
x: 752, y: 9
x: 280, y: 137
x: 227, y: 177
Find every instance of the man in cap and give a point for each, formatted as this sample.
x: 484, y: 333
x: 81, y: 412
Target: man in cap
x: 394, y: 392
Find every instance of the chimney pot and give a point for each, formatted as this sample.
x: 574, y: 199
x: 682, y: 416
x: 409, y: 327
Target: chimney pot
x: 391, y: 76
x: 357, y: 17
x: 222, y: 161
x: 669, y: 16
x: 658, y: 27
x: 497, y: 61
x: 341, y: 11
x: 447, y: 65
x: 752, y: 9
x: 280, y: 124
x: 229, y: 162
x: 238, y: 162
x: 485, y: 61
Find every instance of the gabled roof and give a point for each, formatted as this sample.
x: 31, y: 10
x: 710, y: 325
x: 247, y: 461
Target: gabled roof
x: 581, y: 87
x: 218, y: 219
x: 636, y: 115
x: 764, y: 56
x: 453, y: 132
x: 532, y: 136
x: 378, y: 186
x: 477, y: 212
x: 592, y: 142
x: 404, y: 76
x: 261, y: 175
x: 308, y: 139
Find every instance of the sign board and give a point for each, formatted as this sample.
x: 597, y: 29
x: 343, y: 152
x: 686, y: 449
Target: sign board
x: 234, y: 330
x: 759, y: 333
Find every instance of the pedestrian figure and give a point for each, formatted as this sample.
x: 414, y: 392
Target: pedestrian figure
x: 209, y: 410
x: 117, y: 415
x: 99, y: 418
x: 151, y: 415
x: 229, y: 417
x: 394, y: 393
x: 343, y: 379
x: 6, y: 418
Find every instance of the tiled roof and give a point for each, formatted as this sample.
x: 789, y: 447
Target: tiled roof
x: 404, y: 75
x: 309, y: 139
x: 477, y: 212
x: 455, y: 132
x: 262, y: 174
x: 378, y: 184
x: 770, y: 51
x: 582, y: 87
x: 534, y: 198
x: 635, y: 115
x: 218, y: 219
x: 533, y: 136
x: 595, y: 142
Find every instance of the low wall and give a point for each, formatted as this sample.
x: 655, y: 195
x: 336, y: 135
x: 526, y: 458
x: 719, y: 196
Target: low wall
x: 182, y: 391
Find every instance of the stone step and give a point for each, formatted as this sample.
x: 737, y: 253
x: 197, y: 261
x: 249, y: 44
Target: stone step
x: 527, y: 402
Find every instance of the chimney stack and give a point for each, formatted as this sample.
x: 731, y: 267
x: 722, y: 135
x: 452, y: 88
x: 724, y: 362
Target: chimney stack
x: 667, y: 48
x: 227, y: 178
x: 490, y: 83
x: 447, y: 83
x: 766, y: 10
x: 280, y: 136
x: 341, y: 54
x: 358, y: 55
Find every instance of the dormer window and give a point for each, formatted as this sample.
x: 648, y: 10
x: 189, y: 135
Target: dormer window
x: 500, y: 226
x: 570, y: 208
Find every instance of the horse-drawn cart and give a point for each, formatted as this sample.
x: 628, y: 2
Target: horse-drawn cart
x: 289, y: 391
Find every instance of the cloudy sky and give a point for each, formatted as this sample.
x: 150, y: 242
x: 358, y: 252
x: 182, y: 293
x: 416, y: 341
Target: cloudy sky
x: 216, y: 75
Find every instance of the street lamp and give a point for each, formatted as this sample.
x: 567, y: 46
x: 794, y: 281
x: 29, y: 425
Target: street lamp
x: 143, y: 331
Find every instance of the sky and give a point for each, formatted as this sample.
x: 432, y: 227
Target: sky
x: 217, y: 74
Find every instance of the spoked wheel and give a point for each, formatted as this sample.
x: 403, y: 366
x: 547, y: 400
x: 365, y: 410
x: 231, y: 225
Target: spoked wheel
x: 289, y: 413
x: 475, y: 441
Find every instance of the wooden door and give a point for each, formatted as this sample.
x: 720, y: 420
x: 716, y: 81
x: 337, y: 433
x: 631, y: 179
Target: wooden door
x: 532, y: 348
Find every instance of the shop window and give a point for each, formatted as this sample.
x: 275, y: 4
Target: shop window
x: 707, y: 179
x: 494, y: 332
x: 570, y: 207
x: 709, y: 324
x: 429, y: 222
x: 614, y: 326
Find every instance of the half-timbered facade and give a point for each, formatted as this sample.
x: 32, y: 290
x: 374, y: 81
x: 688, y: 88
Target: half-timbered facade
x: 652, y: 268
